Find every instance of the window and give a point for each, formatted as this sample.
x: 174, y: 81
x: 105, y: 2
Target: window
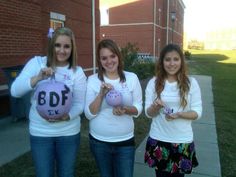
x: 57, y: 20
x: 54, y: 24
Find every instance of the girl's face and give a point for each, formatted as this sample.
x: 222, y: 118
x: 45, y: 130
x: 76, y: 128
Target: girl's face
x: 63, y: 48
x: 109, y: 61
x: 172, y: 63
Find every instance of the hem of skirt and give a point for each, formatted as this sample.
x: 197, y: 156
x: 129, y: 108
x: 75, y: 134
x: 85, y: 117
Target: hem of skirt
x: 174, y: 172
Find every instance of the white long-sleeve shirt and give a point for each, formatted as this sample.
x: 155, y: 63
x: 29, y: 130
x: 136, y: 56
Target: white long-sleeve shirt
x: 105, y: 126
x: 178, y: 130
x: 75, y: 80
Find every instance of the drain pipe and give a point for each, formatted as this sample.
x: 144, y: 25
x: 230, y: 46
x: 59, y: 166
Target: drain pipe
x: 154, y: 29
x: 167, y: 21
x: 94, y: 36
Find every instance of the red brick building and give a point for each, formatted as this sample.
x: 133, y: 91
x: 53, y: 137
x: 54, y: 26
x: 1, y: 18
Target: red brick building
x: 149, y: 23
x: 24, y: 25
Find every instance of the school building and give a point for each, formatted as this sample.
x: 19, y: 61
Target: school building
x: 150, y: 24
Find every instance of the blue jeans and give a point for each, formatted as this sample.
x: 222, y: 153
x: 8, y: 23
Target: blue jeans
x: 50, y: 152
x: 112, y: 160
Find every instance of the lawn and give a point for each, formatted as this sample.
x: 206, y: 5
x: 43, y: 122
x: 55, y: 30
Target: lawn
x: 221, y: 65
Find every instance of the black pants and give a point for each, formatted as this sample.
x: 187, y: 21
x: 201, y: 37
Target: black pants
x: 166, y: 174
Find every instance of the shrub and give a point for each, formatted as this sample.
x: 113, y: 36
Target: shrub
x: 144, y: 69
x: 129, y: 53
x: 187, y: 55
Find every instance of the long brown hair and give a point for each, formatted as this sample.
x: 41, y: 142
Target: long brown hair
x: 112, y: 46
x: 182, y: 78
x: 51, y: 55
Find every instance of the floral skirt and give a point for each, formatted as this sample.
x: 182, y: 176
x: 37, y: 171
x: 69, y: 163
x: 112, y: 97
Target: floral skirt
x: 170, y: 157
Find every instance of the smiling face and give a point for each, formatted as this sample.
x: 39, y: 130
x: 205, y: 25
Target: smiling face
x: 109, y: 61
x: 63, y: 48
x: 172, y: 64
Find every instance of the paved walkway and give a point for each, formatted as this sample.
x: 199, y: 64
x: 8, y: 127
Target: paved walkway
x: 15, y: 141
x: 205, y: 138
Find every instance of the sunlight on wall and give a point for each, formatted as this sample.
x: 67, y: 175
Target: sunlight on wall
x: 113, y: 3
x: 104, y: 15
x: 106, y: 4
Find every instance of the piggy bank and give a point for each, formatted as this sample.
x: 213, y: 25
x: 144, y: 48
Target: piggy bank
x: 167, y: 110
x: 53, y: 99
x: 114, y: 98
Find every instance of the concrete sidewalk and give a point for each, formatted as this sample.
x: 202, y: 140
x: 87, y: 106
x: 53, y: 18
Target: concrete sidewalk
x: 14, y: 139
x: 205, y: 138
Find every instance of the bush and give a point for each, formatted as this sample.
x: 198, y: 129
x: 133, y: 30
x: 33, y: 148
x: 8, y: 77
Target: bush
x: 187, y: 55
x: 144, y: 69
x: 130, y: 54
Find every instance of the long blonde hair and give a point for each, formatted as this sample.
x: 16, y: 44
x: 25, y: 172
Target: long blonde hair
x: 182, y: 78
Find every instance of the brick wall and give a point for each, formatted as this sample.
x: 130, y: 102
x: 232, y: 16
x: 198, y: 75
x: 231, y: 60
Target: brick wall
x: 134, y: 12
x: 134, y: 22
x: 23, y: 32
x: 24, y: 25
x: 20, y: 32
x: 141, y: 35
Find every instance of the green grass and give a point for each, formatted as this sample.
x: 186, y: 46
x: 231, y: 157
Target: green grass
x: 221, y: 65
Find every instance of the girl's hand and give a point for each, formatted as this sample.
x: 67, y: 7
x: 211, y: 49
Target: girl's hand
x: 97, y: 102
x: 157, y: 104
x: 155, y: 107
x: 105, y: 87
x: 170, y: 117
x: 118, y: 111
x: 45, y: 73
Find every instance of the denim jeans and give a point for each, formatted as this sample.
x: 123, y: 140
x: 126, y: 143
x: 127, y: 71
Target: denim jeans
x: 51, y: 152
x: 112, y: 160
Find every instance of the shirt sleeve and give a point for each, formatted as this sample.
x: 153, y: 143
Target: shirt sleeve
x: 79, y: 90
x: 195, y: 97
x: 137, y: 96
x: 149, y: 95
x: 21, y: 84
x: 90, y: 96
